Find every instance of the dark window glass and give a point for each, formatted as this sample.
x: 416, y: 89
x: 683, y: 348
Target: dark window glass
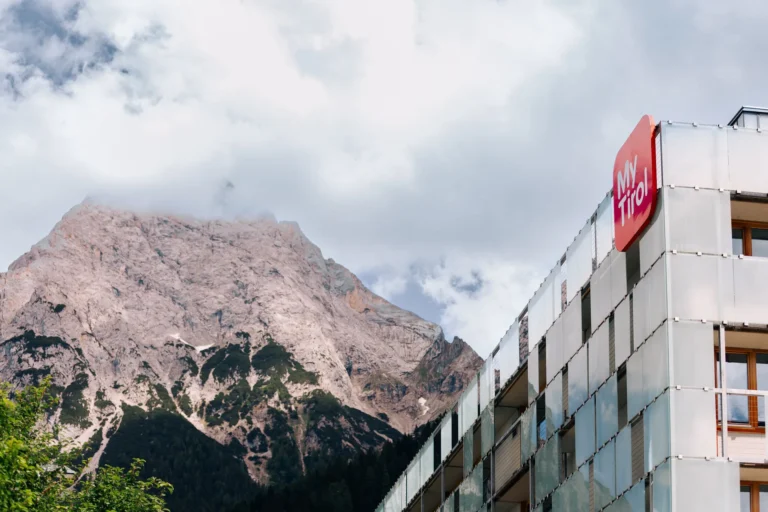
x: 737, y: 240
x: 759, y: 242
x: 744, y: 498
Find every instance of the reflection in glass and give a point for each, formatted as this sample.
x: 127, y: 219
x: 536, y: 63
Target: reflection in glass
x: 737, y: 240
x: 604, y: 476
x: 762, y: 384
x: 585, y: 432
x: 759, y: 242
x: 744, y: 498
x: 607, y: 415
x: 736, y: 373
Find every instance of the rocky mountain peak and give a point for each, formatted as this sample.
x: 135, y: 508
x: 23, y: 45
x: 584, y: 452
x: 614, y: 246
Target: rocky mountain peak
x: 234, y: 326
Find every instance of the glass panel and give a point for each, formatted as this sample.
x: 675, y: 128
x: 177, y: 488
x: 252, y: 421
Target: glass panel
x: 604, y: 228
x: 655, y: 364
x: 699, y: 284
x: 662, y: 490
x: 427, y: 462
x: 486, y: 430
x: 692, y: 354
x: 585, y: 432
x: 561, y: 285
x: 469, y: 405
x: 621, y: 329
x: 413, y: 482
x: 636, y: 497
x: 704, y: 485
x: 507, y: 359
x: 737, y: 241
x: 699, y: 220
x: 577, y: 380
x: 656, y: 300
x: 635, y: 390
x: 639, y: 312
x: 446, y: 433
x: 618, y: 277
x: 749, y: 290
x: 533, y: 375
x: 579, y: 258
x: 580, y: 486
x: 605, y: 483
x: 486, y: 383
x: 607, y: 413
x: 762, y: 385
x: 554, y: 402
x: 656, y: 432
x: 623, y: 459
x: 528, y: 436
x: 694, y: 156
x: 541, y: 311
x: 600, y: 293
x: 571, y: 330
x: 448, y: 505
x: 472, y: 496
x: 652, y: 241
x: 693, y: 408
x: 469, y: 456
x: 554, y: 349
x: 547, y: 469
x: 599, y: 354
x: 747, y: 161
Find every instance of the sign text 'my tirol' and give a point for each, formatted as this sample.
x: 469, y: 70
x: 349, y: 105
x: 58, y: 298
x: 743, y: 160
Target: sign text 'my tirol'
x: 634, y: 184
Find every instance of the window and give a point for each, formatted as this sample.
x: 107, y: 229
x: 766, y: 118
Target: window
x: 621, y: 387
x: 745, y: 369
x: 750, y: 239
x: 753, y: 497
x: 586, y: 315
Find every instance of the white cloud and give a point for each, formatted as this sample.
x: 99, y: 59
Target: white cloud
x: 397, y: 133
x: 482, y: 296
x: 389, y: 287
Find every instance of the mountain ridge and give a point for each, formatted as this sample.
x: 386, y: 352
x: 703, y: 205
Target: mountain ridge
x: 241, y: 328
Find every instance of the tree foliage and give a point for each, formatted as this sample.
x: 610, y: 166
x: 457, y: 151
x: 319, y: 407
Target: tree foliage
x: 40, y: 473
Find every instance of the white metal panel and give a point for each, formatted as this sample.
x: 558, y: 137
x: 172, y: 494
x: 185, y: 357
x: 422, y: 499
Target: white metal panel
x: 698, y: 220
x: 694, y: 156
x: 748, y: 161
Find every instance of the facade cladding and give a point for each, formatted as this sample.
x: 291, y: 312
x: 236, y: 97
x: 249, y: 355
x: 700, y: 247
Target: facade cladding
x: 605, y: 393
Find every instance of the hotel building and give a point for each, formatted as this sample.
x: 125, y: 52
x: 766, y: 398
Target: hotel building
x: 636, y: 377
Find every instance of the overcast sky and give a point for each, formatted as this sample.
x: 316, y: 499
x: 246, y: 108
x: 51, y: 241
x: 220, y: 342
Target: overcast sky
x: 447, y: 151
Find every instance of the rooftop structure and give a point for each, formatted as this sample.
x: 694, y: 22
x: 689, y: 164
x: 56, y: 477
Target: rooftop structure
x: 607, y: 392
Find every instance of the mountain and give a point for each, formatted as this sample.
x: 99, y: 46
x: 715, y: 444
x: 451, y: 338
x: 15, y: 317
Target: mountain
x: 234, y: 346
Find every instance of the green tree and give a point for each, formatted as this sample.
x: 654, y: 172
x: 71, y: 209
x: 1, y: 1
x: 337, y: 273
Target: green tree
x: 40, y: 473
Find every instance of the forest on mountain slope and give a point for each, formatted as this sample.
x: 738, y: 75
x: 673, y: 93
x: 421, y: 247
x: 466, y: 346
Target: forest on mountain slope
x: 343, y: 486
x: 209, y: 477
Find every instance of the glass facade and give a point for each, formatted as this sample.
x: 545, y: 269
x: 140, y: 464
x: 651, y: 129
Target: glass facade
x: 603, y: 391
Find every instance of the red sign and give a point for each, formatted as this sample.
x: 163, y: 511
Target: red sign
x: 634, y: 184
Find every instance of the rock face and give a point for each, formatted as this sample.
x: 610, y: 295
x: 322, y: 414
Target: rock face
x: 241, y: 328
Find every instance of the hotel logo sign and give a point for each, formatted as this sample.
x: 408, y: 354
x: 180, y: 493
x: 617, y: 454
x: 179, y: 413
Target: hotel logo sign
x: 634, y: 184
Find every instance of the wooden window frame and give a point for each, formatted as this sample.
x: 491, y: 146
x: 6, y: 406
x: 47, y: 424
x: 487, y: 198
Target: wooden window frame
x: 746, y: 227
x: 754, y: 494
x: 752, y: 405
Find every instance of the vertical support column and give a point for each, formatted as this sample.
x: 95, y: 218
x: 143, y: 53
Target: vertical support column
x: 723, y: 386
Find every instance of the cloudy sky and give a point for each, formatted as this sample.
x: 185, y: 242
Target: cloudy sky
x: 447, y: 151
